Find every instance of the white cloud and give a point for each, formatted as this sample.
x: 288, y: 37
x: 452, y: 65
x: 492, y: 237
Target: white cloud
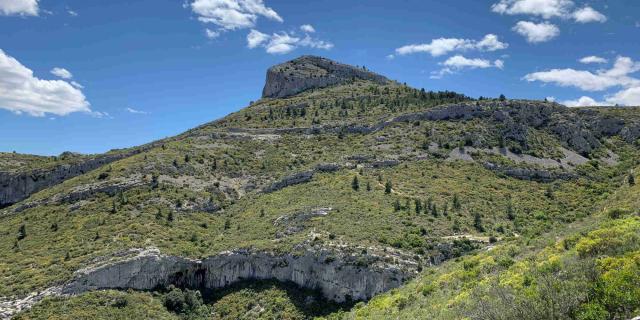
x: 282, y: 43
x: 593, y: 59
x: 543, y: 8
x: 211, y: 34
x: 442, y: 46
x: 627, y: 97
x: 21, y: 92
x: 61, y: 73
x: 134, y: 111
x: 71, y: 13
x: 77, y: 85
x: 617, y: 76
x: 19, y: 7
x: 391, y: 56
x: 620, y: 75
x: 256, y: 38
x: 232, y: 14
x: 588, y: 14
x: 307, y: 28
x: 584, y: 101
x: 551, y: 99
x: 536, y: 32
x: 459, y: 62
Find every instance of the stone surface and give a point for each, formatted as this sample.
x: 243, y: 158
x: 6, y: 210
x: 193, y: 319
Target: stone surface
x: 310, y: 72
x: 338, y: 276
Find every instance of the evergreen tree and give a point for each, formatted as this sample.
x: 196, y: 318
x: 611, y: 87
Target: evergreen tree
x: 355, y: 184
x: 477, y: 222
x: 434, y: 210
x: 387, y: 187
x: 368, y: 186
x: 502, y: 97
x: 511, y: 215
x: 418, y: 205
x: 22, y: 232
x: 170, y: 216
x: 396, y: 206
x: 456, y: 202
x: 632, y: 179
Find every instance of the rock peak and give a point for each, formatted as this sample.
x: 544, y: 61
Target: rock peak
x: 309, y: 72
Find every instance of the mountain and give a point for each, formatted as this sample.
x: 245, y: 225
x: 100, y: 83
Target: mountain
x: 340, y: 193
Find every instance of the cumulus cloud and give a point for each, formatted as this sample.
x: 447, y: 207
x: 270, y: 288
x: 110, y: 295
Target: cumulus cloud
x: 233, y: 14
x: 627, y: 97
x: 62, y: 73
x: 307, y: 28
x: 593, y: 59
x: 543, y: 8
x: 442, y: 46
x: 588, y: 14
x: 19, y: 7
x: 619, y: 75
x: 536, y: 32
x: 584, y: 101
x: 459, y: 62
x: 256, y: 38
x: 283, y: 42
x: 601, y: 80
x: 21, y: 92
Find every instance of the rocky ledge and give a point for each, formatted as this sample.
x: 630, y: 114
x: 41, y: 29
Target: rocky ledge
x: 309, y: 72
x: 339, y: 277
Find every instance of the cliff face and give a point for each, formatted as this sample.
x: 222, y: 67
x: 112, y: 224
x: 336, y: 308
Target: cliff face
x: 309, y: 72
x: 15, y: 187
x: 337, y: 277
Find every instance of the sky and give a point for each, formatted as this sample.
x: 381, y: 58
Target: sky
x: 92, y: 75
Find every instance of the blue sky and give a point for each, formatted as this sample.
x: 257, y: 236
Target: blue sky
x: 90, y: 75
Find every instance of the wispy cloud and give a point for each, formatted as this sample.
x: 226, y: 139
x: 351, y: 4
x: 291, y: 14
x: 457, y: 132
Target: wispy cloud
x: 283, y: 42
x: 593, y: 59
x: 62, y: 73
x: 134, y: 111
x: 458, y: 63
x: 442, y: 46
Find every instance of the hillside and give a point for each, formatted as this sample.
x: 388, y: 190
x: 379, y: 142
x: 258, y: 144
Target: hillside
x: 337, y: 186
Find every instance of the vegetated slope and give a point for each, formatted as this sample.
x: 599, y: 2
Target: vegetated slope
x: 365, y: 168
x: 590, y: 270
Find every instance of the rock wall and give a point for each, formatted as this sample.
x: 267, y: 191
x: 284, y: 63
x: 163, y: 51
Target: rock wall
x: 15, y: 187
x: 309, y: 72
x: 339, y: 278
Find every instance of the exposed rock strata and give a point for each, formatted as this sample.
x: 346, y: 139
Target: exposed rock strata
x: 338, y: 277
x: 15, y: 187
x: 310, y: 72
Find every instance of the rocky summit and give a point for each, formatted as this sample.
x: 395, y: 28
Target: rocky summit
x: 341, y: 195
x: 310, y: 72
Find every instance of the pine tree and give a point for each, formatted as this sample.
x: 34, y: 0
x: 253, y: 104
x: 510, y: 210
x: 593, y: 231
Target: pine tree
x: 396, y: 206
x: 355, y: 184
x: 510, y: 213
x: 170, y: 216
x: 502, y: 97
x: 368, y: 186
x: 477, y: 222
x: 418, y: 205
x: 456, y: 202
x: 387, y: 187
x: 631, y: 179
x: 434, y: 210
x: 22, y: 232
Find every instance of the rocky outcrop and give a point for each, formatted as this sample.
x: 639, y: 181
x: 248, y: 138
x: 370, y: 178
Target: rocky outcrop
x: 339, y: 277
x: 84, y: 192
x: 15, y: 187
x: 300, y: 177
x: 310, y: 72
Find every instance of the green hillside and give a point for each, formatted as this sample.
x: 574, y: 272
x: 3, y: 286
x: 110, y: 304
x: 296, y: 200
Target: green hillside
x: 507, y: 208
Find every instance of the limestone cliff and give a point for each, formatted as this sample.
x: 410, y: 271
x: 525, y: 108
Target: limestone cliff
x: 309, y: 72
x: 338, y: 276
